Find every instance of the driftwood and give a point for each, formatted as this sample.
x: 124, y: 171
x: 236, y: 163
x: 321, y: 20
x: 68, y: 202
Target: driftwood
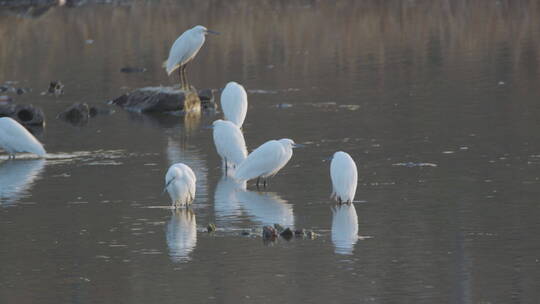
x: 164, y: 99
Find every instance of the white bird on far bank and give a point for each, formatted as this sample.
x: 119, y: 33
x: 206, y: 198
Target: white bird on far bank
x: 180, y: 184
x: 266, y: 160
x: 15, y: 138
x: 229, y: 142
x: 344, y: 177
x: 234, y: 103
x: 184, y: 49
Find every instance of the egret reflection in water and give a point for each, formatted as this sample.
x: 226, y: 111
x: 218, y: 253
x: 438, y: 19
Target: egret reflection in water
x: 266, y: 207
x: 344, y: 228
x: 16, y: 178
x: 226, y: 204
x: 181, y: 234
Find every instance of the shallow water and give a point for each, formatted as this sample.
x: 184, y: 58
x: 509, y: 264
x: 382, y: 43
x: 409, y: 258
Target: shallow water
x: 436, y: 101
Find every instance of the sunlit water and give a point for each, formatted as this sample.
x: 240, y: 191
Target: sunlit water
x: 437, y: 101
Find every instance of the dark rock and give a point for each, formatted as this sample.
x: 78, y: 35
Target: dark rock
x: 132, y: 70
x: 27, y: 115
x: 300, y: 232
x: 3, y: 89
x: 207, y: 99
x: 159, y: 99
x: 21, y: 91
x: 56, y: 88
x: 206, y: 94
x: 246, y: 233
x: 312, y: 235
x: 279, y: 228
x: 211, y: 227
x: 287, y: 234
x: 269, y: 233
x: 77, y: 113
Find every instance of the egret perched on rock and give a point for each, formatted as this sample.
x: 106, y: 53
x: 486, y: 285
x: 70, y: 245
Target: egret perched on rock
x: 180, y: 183
x: 15, y: 138
x: 234, y: 103
x: 344, y: 177
x: 266, y: 160
x: 184, y: 50
x: 230, y: 143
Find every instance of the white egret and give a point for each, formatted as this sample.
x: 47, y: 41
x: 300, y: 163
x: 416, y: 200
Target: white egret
x: 234, y: 103
x: 15, y: 138
x: 344, y: 228
x: 230, y: 143
x: 266, y: 160
x: 181, y: 234
x: 344, y: 177
x: 180, y: 184
x: 184, y: 50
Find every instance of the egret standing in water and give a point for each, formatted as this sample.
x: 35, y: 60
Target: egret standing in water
x: 180, y: 183
x: 234, y: 103
x: 230, y: 143
x: 266, y: 160
x: 184, y: 50
x: 15, y: 138
x: 344, y: 177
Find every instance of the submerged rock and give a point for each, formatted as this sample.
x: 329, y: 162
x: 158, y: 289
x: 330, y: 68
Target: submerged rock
x: 211, y: 227
x: 269, y: 233
x: 300, y: 232
x: 27, y: 115
x: 287, y: 233
x: 132, y: 70
x: 159, y: 99
x: 56, y: 88
x: 312, y: 235
x: 79, y: 113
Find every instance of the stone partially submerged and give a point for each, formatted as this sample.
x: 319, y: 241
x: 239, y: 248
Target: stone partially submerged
x: 161, y: 99
x: 27, y: 115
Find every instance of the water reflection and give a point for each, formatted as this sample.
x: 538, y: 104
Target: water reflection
x: 181, y: 235
x: 344, y: 228
x: 266, y: 207
x: 226, y: 204
x: 16, y: 178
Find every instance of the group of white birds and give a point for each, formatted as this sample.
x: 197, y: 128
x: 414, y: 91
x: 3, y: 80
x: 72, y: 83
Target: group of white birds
x: 180, y: 180
x: 265, y: 161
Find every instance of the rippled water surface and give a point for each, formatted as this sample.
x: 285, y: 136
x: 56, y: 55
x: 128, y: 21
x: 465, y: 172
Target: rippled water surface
x: 437, y: 101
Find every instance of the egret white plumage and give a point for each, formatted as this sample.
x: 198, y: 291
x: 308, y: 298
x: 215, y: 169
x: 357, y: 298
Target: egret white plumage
x: 180, y: 184
x: 184, y: 49
x: 234, y: 103
x: 266, y: 160
x: 229, y: 142
x: 344, y: 177
x: 15, y: 138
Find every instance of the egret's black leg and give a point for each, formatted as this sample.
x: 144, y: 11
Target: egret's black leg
x: 181, y: 77
x: 264, y: 183
x: 258, y: 178
x: 186, y: 84
x: 226, y: 166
